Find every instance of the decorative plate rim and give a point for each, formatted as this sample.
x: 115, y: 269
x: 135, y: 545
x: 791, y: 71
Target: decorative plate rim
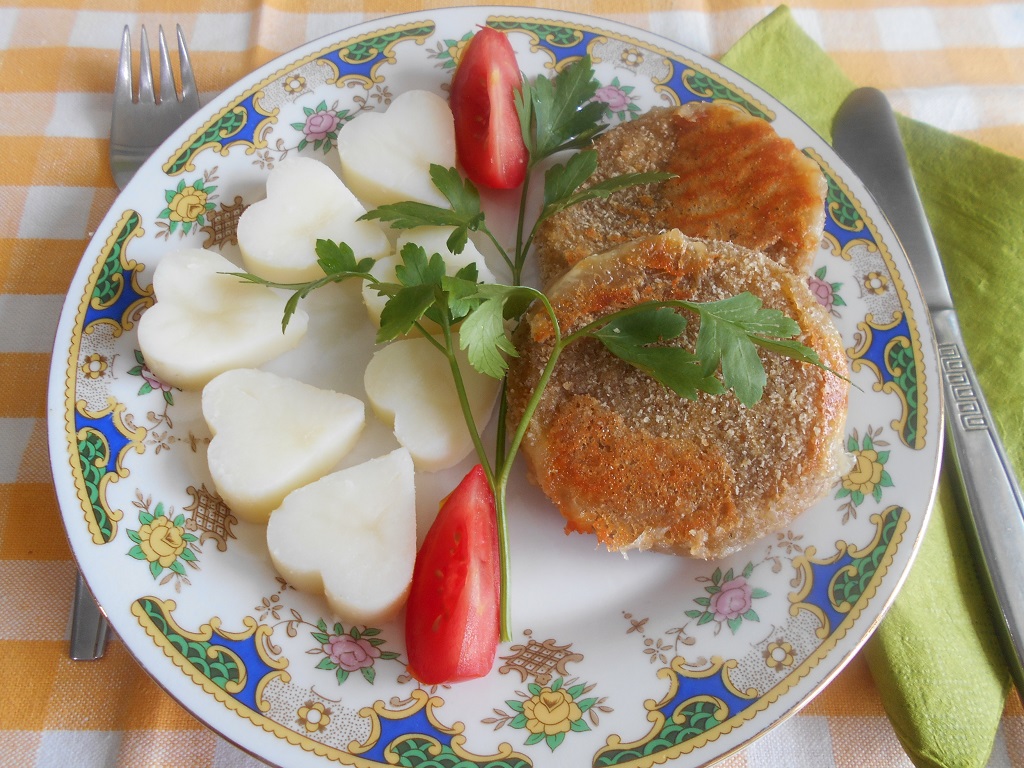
x: 857, y: 234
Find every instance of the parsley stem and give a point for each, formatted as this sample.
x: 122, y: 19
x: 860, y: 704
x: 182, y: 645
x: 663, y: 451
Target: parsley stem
x: 504, y: 562
x: 501, y: 251
x: 505, y: 470
x: 497, y: 484
x: 533, y: 232
x: 535, y: 398
x: 521, y: 250
x: 460, y: 387
x: 502, y: 430
x: 430, y: 337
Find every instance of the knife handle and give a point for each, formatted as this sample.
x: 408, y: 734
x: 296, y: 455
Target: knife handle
x: 990, y: 488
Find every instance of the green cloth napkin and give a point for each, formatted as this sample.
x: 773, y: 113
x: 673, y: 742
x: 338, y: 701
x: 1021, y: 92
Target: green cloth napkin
x: 936, y: 656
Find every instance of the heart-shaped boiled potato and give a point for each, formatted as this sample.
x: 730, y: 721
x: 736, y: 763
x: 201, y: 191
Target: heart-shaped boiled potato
x: 409, y: 386
x: 206, y: 321
x: 351, y: 536
x: 272, y: 435
x: 305, y: 202
x: 433, y: 240
x: 386, y: 156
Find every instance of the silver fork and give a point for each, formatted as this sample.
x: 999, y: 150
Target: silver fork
x: 138, y: 125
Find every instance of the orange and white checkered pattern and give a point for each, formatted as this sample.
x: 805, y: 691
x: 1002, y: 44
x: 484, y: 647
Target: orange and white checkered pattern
x: 957, y: 65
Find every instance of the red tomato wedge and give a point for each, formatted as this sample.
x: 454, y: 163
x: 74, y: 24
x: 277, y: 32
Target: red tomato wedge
x: 488, y: 140
x: 452, y: 616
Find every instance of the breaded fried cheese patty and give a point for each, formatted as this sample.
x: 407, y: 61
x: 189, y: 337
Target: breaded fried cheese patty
x: 737, y: 180
x: 627, y: 459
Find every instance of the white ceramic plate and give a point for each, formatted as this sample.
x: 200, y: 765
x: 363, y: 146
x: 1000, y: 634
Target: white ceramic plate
x: 614, y: 661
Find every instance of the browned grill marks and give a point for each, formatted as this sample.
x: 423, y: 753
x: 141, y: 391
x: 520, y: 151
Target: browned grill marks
x: 737, y: 181
x: 625, y: 458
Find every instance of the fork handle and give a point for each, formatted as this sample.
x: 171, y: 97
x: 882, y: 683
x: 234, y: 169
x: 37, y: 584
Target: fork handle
x: 88, y: 625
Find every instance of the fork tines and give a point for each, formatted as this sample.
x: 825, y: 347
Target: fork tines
x: 123, y: 85
x: 140, y: 123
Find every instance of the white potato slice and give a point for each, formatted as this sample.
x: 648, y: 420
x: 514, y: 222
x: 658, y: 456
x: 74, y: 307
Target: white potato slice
x: 409, y: 386
x: 386, y: 156
x: 272, y: 435
x: 206, y: 322
x: 351, y: 536
x: 433, y: 240
x: 305, y: 202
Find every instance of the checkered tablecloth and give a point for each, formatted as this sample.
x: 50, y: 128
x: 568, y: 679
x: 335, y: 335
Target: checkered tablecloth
x: 958, y: 66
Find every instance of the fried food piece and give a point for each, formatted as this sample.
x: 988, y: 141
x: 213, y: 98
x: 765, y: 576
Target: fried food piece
x: 737, y: 180
x: 625, y: 458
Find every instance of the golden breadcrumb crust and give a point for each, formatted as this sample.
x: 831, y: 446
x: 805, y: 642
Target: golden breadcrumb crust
x: 737, y: 180
x: 625, y: 458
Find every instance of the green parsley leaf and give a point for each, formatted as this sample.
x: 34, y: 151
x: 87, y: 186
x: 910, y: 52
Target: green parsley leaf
x: 674, y: 367
x: 461, y: 291
x: 469, y: 272
x: 461, y: 193
x: 290, y: 308
x: 482, y: 333
x: 457, y: 240
x: 730, y: 331
x: 465, y: 214
x: 742, y: 370
x: 560, y: 114
x: 747, y: 310
x: 417, y: 269
x: 515, y: 299
x: 560, y: 181
x: 791, y: 349
x: 338, y: 258
x: 412, y: 214
x: 338, y: 263
x: 629, y: 337
x: 648, y: 324
x: 404, y: 310
x: 524, y: 109
x: 426, y: 290
x: 420, y: 283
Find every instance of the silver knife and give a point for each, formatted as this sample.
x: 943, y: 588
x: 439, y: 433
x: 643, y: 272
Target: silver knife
x: 866, y: 136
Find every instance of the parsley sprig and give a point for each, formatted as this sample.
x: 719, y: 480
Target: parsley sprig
x: 555, y: 116
x: 338, y: 263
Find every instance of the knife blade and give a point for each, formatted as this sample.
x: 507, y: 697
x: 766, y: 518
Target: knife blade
x: 866, y: 136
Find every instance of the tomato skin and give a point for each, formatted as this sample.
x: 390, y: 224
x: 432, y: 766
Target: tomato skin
x: 452, y: 615
x: 488, y: 139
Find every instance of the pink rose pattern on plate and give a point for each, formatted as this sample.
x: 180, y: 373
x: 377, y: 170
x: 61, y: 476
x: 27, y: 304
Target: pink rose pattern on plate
x: 350, y: 653
x: 618, y: 100
x: 320, y: 127
x: 729, y: 600
x: 150, y: 382
x: 355, y: 649
x: 827, y: 293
